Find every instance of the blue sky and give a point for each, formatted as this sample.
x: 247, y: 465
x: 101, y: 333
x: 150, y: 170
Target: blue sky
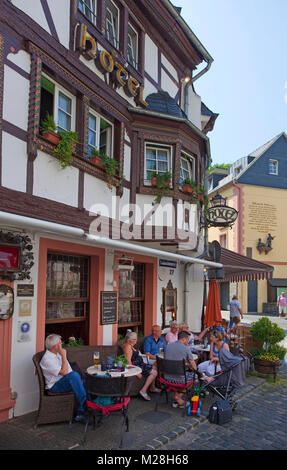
x: 247, y: 82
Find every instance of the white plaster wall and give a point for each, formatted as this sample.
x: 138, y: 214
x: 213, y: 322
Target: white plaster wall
x: 149, y: 88
x: 194, y: 108
x: 91, y: 65
x: 16, y: 98
x: 14, y: 162
x: 127, y: 163
x: 168, y: 85
x: 60, y: 12
x: 109, y: 278
x: 51, y: 182
x: 22, y: 59
x: 195, y: 286
x: 33, y: 9
x: 98, y: 198
x: 23, y: 379
x: 176, y: 276
x: 151, y: 58
x: 169, y: 66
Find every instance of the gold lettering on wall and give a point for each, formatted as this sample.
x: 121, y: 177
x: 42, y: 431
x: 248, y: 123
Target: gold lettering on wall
x: 262, y: 217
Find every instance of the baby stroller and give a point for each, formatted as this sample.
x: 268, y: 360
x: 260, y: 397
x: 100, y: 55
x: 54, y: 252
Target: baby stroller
x: 225, y: 383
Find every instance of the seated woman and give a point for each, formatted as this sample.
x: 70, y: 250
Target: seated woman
x: 134, y: 358
x: 213, y: 366
x: 185, y: 327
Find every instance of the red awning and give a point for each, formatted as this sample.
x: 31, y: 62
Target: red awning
x: 241, y: 268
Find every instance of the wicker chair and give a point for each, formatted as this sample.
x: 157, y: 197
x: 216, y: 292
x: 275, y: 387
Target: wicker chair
x: 53, y: 408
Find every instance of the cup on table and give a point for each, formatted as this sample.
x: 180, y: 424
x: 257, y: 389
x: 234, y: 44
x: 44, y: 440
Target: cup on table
x: 96, y: 359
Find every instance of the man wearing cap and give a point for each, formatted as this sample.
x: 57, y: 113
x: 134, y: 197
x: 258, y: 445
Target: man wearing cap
x: 177, y: 351
x: 59, y: 376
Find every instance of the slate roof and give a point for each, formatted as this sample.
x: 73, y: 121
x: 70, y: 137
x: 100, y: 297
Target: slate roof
x: 162, y: 102
x: 205, y: 111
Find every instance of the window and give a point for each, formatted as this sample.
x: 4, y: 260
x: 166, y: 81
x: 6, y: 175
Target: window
x: 237, y: 170
x: 273, y: 167
x: 89, y: 9
x: 132, y: 47
x: 59, y: 103
x: 131, y: 297
x: 157, y: 159
x: 100, y: 135
x: 223, y: 240
x: 67, y: 292
x: 112, y: 23
x: 186, y: 168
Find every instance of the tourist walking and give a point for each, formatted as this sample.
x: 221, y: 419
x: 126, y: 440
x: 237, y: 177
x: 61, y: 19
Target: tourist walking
x: 282, y: 305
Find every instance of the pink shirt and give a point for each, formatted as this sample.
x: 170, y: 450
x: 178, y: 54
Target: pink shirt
x: 171, y: 337
x: 282, y: 301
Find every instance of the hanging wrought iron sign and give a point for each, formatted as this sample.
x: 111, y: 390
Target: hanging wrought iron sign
x: 219, y: 214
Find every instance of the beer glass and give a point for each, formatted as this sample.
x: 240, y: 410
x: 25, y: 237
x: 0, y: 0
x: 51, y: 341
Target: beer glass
x: 96, y: 359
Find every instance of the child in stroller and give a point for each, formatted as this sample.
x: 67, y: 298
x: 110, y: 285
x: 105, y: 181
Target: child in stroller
x: 225, y: 383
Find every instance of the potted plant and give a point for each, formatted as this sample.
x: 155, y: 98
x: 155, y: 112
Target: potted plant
x: 66, y: 147
x: 49, y: 129
x: 188, y: 186
x: 154, y: 179
x: 113, y: 173
x: 267, y: 358
x: 162, y: 185
x: 96, y: 158
x: 202, y: 195
x: 73, y: 342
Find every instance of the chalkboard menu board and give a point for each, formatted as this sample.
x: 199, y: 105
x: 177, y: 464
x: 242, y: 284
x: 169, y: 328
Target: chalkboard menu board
x: 109, y: 307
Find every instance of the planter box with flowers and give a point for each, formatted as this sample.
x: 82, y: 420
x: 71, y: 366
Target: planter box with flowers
x: 189, y: 186
x: 267, y: 359
x: 162, y: 184
x: 110, y: 166
x: 49, y: 129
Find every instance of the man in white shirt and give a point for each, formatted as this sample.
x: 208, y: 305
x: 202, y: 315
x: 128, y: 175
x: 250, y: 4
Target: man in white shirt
x: 59, y: 376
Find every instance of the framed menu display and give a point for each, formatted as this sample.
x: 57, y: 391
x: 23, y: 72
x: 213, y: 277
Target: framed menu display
x: 109, y: 307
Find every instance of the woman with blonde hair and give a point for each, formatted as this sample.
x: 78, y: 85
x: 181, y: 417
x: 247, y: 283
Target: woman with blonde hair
x: 213, y: 366
x: 134, y: 358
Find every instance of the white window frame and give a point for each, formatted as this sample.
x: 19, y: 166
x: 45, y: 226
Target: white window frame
x: 98, y: 131
x: 89, y: 10
x: 273, y: 162
x: 135, y: 53
x: 116, y: 33
x: 191, y: 161
x: 156, y: 146
x: 59, y: 88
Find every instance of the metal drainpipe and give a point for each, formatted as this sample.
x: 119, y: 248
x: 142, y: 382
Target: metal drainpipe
x: 192, y: 80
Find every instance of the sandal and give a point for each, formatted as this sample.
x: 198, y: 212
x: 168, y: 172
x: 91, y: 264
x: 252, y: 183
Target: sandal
x: 156, y: 390
x: 177, y: 405
x: 145, y: 396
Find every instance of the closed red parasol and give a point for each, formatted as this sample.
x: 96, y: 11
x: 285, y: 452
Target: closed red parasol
x: 212, y: 312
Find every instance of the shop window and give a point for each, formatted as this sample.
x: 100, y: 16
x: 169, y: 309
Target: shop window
x: 131, y: 299
x: 112, y: 23
x: 157, y: 159
x: 67, y: 296
x: 273, y: 167
x: 89, y: 9
x: 59, y: 103
x: 100, y: 135
x: 132, y: 47
x: 186, y: 168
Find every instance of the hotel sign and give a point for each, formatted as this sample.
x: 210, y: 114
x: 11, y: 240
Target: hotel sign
x: 106, y: 63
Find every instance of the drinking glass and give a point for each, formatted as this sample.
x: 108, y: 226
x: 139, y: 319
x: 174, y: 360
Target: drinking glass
x: 96, y: 359
x: 160, y: 351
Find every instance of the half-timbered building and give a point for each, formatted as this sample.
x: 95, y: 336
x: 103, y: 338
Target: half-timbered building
x: 121, y: 74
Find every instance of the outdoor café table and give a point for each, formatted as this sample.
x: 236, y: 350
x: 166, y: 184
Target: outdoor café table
x: 195, y: 356
x: 129, y: 371
x: 201, y: 349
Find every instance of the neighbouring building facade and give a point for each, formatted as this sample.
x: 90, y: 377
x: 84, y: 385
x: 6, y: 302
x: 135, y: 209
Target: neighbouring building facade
x: 85, y: 252
x: 256, y: 186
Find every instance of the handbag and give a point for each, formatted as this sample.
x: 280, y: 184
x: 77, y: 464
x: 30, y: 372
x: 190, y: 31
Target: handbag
x: 220, y: 412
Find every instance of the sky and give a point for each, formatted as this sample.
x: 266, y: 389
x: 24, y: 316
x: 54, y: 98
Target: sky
x: 247, y: 82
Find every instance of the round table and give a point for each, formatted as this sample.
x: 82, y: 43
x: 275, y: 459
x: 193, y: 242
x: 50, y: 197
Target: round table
x: 128, y: 372
x: 195, y: 356
x: 199, y: 347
